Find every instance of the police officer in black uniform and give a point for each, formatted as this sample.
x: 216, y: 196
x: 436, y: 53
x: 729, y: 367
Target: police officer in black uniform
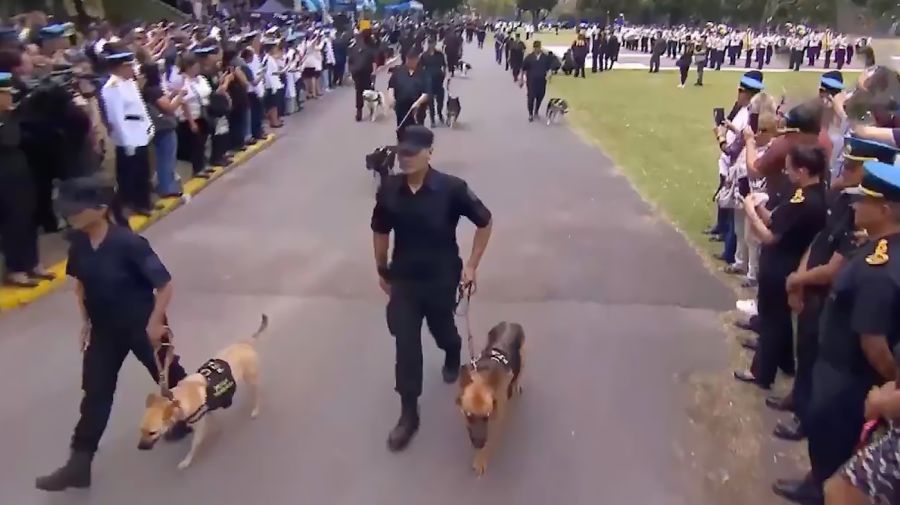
x: 809, y: 285
x: 410, y: 86
x: 534, y: 72
x: 422, y: 208
x: 785, y: 234
x: 123, y: 291
x: 516, y: 56
x: 579, y: 52
x: 18, y: 226
x: 435, y: 64
x: 859, y: 327
x: 361, y: 61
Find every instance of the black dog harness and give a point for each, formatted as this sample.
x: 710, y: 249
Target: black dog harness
x: 220, y: 388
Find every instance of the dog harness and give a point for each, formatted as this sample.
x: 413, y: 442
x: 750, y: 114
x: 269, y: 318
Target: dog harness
x: 220, y: 388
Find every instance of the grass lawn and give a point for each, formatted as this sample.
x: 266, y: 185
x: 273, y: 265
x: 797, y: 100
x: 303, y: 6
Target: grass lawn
x: 660, y: 136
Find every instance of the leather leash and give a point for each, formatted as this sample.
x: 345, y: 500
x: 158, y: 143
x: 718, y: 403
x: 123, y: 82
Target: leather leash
x: 167, y: 348
x: 464, y: 293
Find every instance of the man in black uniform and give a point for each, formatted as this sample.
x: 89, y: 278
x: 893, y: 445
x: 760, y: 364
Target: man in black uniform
x: 598, y: 47
x: 809, y: 285
x: 534, y: 72
x: 361, y: 60
x: 407, y: 41
x: 453, y: 49
x: 579, y: 53
x: 435, y: 64
x: 499, y: 44
x: 516, y: 55
x: 481, y: 34
x: 658, y: 49
x: 422, y: 207
x: 859, y: 327
x: 410, y: 88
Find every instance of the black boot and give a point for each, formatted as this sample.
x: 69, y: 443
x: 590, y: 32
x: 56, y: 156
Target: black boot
x: 406, y: 427
x: 75, y: 473
x: 799, y: 491
x: 450, y: 371
x: 358, y: 115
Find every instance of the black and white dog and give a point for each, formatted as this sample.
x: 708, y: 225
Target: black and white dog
x: 556, y: 109
x: 381, y: 163
x: 374, y: 102
x: 454, y: 107
x: 463, y: 68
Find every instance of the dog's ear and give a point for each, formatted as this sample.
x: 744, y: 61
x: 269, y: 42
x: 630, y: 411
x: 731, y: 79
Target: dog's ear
x: 151, y: 399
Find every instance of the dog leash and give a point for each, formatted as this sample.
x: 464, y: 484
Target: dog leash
x: 167, y: 349
x: 464, y: 293
x: 407, y: 116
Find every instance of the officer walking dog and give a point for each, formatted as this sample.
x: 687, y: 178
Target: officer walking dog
x: 422, y: 208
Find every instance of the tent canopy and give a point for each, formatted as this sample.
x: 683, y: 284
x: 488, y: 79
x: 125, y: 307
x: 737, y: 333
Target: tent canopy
x: 404, y: 6
x: 271, y: 7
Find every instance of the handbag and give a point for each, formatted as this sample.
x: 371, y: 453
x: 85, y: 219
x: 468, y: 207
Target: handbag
x: 162, y: 122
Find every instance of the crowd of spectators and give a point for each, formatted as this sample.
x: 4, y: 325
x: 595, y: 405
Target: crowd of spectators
x: 130, y: 102
x: 808, y: 215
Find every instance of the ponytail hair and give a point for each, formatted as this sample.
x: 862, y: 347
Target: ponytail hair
x: 116, y: 213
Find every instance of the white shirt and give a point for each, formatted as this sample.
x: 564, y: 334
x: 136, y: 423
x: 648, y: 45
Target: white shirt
x: 741, y: 121
x: 197, y: 96
x: 313, y: 57
x: 271, y: 69
x: 256, y: 67
x: 126, y: 113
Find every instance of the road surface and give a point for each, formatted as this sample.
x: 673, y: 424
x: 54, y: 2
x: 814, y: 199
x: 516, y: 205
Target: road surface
x: 615, y: 305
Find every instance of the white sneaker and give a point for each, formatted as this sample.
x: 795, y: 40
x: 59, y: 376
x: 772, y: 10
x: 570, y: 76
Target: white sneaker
x: 748, y: 307
x: 681, y: 86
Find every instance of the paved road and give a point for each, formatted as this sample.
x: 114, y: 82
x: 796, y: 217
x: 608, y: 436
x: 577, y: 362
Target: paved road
x: 614, y: 304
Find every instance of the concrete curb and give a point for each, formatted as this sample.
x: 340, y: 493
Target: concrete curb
x: 11, y: 297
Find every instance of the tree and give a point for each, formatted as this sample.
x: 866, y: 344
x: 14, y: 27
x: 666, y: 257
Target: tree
x: 493, y: 8
x: 535, y: 7
x: 440, y: 6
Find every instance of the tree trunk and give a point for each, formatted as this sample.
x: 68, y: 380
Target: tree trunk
x: 82, y: 20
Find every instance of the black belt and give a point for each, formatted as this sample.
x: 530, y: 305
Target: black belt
x: 133, y: 118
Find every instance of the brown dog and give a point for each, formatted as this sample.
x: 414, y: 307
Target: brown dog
x: 487, y: 384
x: 211, y: 388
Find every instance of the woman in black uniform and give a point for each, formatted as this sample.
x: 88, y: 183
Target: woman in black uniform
x: 785, y: 233
x: 18, y: 227
x: 123, y: 290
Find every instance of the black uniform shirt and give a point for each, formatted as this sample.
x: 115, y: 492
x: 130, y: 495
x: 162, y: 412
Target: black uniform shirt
x: 836, y: 236
x: 13, y: 163
x: 517, y: 51
x: 435, y: 64
x: 865, y: 300
x: 424, y: 223
x: 119, y: 278
x: 536, y: 67
x: 361, y: 58
x: 409, y: 87
x: 794, y: 223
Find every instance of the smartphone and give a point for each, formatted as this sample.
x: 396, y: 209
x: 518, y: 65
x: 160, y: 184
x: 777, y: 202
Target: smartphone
x: 719, y: 115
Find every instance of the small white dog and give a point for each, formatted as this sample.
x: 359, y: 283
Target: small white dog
x: 375, y: 103
x: 464, y: 68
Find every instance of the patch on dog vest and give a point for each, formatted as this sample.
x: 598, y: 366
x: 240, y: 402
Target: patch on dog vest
x: 499, y: 357
x: 220, y: 384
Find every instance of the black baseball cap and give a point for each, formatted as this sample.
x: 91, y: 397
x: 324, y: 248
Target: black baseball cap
x: 82, y: 193
x: 414, y: 139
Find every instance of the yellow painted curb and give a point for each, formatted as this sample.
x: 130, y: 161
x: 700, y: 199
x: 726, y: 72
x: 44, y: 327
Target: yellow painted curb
x: 12, y: 297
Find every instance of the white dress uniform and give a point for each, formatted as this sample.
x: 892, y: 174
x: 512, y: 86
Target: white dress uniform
x: 131, y: 130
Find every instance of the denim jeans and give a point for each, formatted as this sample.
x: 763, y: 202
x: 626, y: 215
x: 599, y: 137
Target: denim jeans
x: 166, y: 145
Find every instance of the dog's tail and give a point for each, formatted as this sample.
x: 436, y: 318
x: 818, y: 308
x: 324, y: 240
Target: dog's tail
x: 262, y: 327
